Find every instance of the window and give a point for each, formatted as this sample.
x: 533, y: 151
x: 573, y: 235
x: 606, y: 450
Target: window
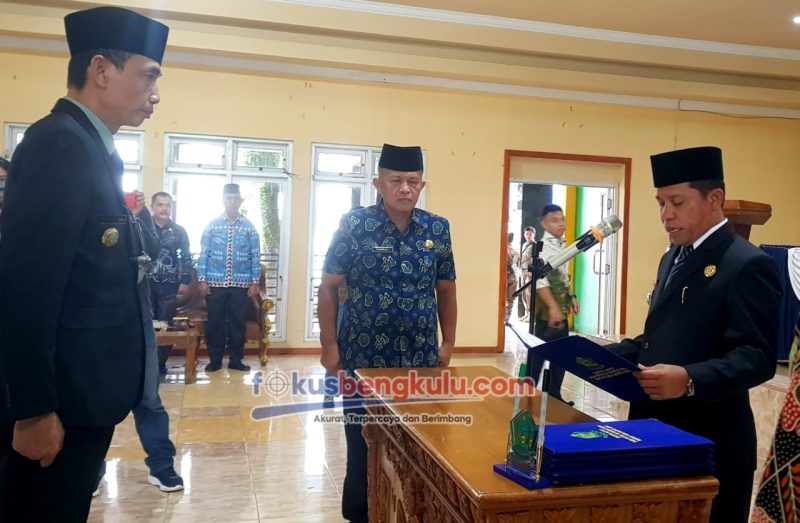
x: 14, y: 134
x: 197, y: 167
x: 129, y: 145
x: 341, y: 180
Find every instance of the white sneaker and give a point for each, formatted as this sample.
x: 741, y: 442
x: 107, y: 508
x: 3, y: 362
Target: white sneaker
x: 96, y: 492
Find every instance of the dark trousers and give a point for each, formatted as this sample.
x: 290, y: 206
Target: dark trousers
x: 164, y: 305
x: 61, y: 492
x: 227, y: 308
x: 150, y: 417
x: 152, y: 420
x: 732, y: 504
x: 163, y: 300
x: 354, y: 493
x: 545, y: 332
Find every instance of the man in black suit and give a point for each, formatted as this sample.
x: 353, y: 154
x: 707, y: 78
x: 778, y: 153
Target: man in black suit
x: 712, y: 329
x: 71, y: 332
x: 5, y: 165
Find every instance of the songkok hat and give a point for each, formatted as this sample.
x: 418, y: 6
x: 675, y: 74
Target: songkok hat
x: 402, y: 159
x: 115, y: 28
x: 687, y: 165
x: 231, y: 188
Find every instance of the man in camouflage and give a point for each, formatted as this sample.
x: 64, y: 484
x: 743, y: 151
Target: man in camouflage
x: 525, y: 260
x: 512, y: 261
x: 555, y: 299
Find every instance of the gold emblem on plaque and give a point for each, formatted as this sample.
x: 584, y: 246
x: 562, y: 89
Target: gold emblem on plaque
x: 710, y: 270
x: 110, y: 237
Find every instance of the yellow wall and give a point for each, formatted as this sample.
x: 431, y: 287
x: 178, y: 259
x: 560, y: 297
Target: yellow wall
x: 465, y: 136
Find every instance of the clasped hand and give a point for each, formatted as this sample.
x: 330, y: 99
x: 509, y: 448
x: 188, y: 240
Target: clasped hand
x: 40, y: 438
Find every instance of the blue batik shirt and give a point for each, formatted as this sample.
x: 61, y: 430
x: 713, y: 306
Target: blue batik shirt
x: 390, y: 315
x: 229, y: 253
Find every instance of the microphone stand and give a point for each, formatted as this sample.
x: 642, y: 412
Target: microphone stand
x: 525, y: 449
x: 535, y: 268
x: 528, y: 462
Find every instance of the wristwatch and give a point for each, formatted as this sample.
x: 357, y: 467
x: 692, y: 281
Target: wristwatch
x: 689, y: 388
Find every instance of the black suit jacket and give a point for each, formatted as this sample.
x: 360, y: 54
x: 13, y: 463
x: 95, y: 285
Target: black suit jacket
x: 718, y: 318
x: 71, y: 337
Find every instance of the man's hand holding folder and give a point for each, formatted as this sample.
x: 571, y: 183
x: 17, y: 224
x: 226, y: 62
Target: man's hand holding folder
x: 591, y: 362
x: 662, y: 381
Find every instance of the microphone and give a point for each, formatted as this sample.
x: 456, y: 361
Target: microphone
x: 592, y: 237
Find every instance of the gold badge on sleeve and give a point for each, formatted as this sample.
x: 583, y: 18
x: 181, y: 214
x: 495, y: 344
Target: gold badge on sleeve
x: 110, y: 237
x: 710, y: 270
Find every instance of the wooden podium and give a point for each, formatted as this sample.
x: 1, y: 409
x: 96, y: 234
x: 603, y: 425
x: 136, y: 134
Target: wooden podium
x: 744, y: 214
x: 443, y: 472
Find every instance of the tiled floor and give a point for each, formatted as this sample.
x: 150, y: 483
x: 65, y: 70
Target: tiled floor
x: 286, y: 469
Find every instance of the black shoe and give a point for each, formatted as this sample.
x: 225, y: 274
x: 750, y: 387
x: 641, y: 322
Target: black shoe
x: 213, y: 367
x: 238, y: 365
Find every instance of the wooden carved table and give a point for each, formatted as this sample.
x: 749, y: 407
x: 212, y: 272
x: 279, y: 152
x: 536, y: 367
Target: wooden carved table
x: 443, y: 472
x: 187, y: 340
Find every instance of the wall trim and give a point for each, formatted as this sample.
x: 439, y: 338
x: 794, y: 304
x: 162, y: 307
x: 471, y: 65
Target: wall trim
x: 196, y: 60
x: 531, y: 26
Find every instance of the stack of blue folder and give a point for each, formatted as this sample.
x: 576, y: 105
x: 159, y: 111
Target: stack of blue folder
x: 622, y: 450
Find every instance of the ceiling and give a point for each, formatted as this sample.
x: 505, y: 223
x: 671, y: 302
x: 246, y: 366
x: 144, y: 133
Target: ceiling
x: 766, y: 23
x: 666, y: 53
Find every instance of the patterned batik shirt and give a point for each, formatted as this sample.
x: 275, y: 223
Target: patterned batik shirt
x: 390, y: 315
x: 229, y: 253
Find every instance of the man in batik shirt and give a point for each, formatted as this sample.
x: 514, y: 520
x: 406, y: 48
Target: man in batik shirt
x: 397, y: 262
x: 228, y: 270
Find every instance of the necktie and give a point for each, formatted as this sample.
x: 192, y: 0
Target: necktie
x: 680, y: 261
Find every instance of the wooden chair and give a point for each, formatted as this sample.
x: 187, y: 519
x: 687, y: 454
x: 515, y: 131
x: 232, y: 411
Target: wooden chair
x: 191, y: 304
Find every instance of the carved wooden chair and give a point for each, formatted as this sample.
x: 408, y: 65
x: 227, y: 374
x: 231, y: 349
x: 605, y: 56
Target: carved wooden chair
x: 191, y: 304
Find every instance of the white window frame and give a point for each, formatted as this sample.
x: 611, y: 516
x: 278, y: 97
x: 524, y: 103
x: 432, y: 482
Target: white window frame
x: 11, y: 129
x: 370, y: 156
x: 232, y: 173
x: 137, y: 167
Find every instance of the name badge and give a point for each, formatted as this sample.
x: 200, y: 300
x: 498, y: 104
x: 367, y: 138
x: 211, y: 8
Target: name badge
x: 384, y: 249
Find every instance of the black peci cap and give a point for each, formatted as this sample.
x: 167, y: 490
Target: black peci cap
x: 115, y: 28
x: 687, y: 165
